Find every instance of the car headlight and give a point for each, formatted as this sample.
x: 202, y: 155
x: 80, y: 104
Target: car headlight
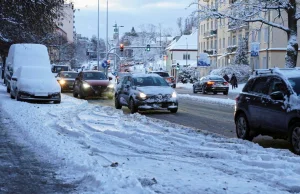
x: 111, y: 86
x: 174, y: 95
x: 142, y: 95
x: 86, y: 85
x: 62, y: 82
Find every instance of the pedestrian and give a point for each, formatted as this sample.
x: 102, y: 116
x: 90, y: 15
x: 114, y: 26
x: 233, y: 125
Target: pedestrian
x: 226, y: 77
x: 233, y: 81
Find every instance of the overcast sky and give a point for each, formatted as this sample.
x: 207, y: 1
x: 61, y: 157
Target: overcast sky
x: 128, y: 13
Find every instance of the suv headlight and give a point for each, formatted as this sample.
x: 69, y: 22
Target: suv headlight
x: 86, y: 85
x: 142, y: 95
x: 62, y: 82
x: 174, y: 95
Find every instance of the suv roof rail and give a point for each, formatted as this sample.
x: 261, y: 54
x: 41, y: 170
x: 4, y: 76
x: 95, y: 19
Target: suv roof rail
x: 262, y: 71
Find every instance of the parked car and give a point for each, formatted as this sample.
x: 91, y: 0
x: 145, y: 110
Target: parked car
x: 34, y: 83
x: 211, y: 83
x: 58, y: 68
x: 66, y: 80
x: 269, y: 105
x: 145, y: 92
x: 120, y: 75
x: 93, y: 84
x: 24, y: 55
x: 169, y: 79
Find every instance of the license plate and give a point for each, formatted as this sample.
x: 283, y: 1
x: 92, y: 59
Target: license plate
x: 41, y: 94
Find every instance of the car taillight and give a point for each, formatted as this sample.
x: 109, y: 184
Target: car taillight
x: 226, y: 83
x: 210, y: 83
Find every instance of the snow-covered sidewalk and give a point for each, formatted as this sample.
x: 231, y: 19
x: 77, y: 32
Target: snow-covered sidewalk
x: 105, y: 151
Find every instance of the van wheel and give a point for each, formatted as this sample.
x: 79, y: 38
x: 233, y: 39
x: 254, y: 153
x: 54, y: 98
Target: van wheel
x: 12, y: 96
x: 242, y: 127
x: 294, y: 138
x: 8, y: 88
x: 18, y: 96
x: 75, y: 94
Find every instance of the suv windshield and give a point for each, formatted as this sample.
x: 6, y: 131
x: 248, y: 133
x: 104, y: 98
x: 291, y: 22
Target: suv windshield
x: 57, y: 69
x: 150, y: 81
x: 216, y: 78
x: 94, y: 76
x: 162, y: 74
x: 295, y: 83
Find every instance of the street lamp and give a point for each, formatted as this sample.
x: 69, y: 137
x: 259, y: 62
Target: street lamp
x: 98, y: 40
x: 117, y: 30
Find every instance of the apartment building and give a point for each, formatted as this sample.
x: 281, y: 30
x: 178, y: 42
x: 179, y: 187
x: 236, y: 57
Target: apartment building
x: 220, y: 39
x: 66, y: 21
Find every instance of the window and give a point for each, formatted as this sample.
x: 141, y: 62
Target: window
x: 223, y: 42
x: 212, y: 25
x: 216, y: 44
x: 220, y: 44
x: 229, y: 41
x: 265, y: 62
x: 186, y: 57
x: 171, y: 56
x: 253, y: 36
x: 203, y: 45
x: 240, y: 37
x: 258, y: 35
x: 234, y: 40
x: 277, y: 85
x: 211, y: 44
x: 266, y: 35
x: 259, y: 85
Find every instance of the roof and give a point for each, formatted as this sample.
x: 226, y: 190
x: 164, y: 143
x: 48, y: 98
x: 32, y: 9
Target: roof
x: 185, y: 42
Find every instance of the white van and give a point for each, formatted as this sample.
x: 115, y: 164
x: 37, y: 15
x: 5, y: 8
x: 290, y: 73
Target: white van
x: 25, y: 55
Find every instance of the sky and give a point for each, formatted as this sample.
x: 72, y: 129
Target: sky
x: 129, y: 13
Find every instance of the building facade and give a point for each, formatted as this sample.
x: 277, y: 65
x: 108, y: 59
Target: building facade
x: 220, y: 39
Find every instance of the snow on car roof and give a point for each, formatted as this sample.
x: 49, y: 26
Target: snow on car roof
x: 145, y: 75
x: 286, y: 72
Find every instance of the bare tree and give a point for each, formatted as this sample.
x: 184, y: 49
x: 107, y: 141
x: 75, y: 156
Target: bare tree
x: 240, y: 12
x: 179, y: 24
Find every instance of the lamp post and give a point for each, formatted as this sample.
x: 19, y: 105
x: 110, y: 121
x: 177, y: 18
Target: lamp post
x: 106, y: 27
x: 117, y: 30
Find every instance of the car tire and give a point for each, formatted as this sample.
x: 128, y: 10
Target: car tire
x: 18, y: 96
x: 8, y: 88
x: 242, y: 127
x: 133, y: 108
x: 75, y: 94
x: 174, y: 110
x: 57, y: 102
x: 174, y: 86
x: 117, y: 103
x: 12, y: 96
x: 225, y: 93
x: 81, y: 96
x: 194, y: 90
x: 203, y: 90
x: 294, y: 138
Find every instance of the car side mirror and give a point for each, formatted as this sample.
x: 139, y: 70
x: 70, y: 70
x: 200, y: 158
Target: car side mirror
x: 109, y: 78
x: 278, y: 95
x: 14, y: 78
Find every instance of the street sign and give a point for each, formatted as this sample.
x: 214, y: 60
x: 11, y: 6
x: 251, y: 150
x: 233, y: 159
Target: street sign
x: 204, y: 60
x: 104, y: 64
x: 255, y: 49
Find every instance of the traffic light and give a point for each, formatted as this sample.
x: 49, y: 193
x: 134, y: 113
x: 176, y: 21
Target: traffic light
x: 121, y: 47
x: 178, y: 66
x: 148, y: 47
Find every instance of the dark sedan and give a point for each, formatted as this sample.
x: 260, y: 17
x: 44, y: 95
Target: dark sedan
x: 66, y: 80
x: 211, y: 83
x: 93, y: 84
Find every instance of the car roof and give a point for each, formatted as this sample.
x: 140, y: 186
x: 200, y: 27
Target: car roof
x: 68, y: 72
x: 145, y: 75
x: 282, y: 72
x: 89, y: 71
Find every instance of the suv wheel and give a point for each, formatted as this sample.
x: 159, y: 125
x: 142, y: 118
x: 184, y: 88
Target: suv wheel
x: 117, y: 103
x: 242, y: 127
x: 133, y: 108
x: 194, y: 90
x: 203, y: 90
x: 295, y: 138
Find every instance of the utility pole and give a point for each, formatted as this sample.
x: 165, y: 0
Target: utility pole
x: 107, y: 34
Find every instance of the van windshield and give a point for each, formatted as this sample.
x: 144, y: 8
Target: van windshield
x: 36, y: 73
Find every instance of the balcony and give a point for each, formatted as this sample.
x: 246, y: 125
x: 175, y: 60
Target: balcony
x: 231, y: 49
x: 238, y: 25
x: 210, y: 33
x: 211, y: 51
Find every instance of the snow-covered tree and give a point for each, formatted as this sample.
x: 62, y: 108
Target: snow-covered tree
x: 187, y: 75
x: 242, y: 72
x: 244, y: 11
x: 241, y: 55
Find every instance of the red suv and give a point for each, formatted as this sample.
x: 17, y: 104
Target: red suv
x: 169, y: 79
